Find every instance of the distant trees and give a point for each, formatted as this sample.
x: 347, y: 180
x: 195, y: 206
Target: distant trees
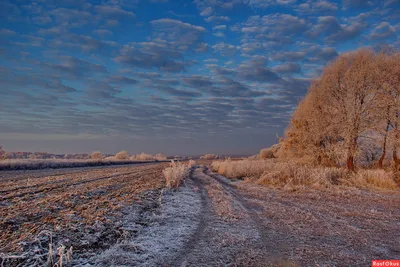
x: 2, y: 153
x: 160, y: 157
x: 122, y: 155
x: 145, y: 156
x: 209, y: 156
x: 354, y: 104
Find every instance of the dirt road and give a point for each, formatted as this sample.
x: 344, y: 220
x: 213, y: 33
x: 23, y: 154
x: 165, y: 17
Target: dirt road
x: 211, y: 221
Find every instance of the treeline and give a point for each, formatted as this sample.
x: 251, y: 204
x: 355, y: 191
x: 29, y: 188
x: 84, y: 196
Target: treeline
x: 351, y: 114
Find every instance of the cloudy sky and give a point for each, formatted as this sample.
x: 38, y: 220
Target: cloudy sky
x: 171, y: 76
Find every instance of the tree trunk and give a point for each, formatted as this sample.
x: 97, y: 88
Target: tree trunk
x: 350, y: 163
x: 396, y: 160
x: 319, y: 160
x: 350, y: 159
x: 380, y: 162
x: 351, y: 151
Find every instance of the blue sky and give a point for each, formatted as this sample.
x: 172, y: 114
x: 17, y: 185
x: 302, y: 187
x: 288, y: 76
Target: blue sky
x: 178, y: 77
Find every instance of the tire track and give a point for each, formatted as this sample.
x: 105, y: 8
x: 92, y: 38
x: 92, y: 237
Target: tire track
x: 198, y: 234
x: 210, y: 222
x: 265, y: 234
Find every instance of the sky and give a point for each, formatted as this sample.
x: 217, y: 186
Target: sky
x: 170, y: 76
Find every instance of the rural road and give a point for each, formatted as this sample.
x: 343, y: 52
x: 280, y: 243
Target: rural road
x: 213, y: 221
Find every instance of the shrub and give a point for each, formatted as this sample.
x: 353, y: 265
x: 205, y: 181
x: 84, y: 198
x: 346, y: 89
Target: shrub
x: 176, y: 173
x: 374, y: 179
x: 122, y: 155
x: 254, y: 157
x: 291, y: 176
x: 144, y: 156
x: 241, y: 168
x: 191, y: 163
x: 160, y: 156
x: 266, y: 153
x: 96, y: 155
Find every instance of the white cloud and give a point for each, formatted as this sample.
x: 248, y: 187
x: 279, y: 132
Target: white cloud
x: 206, y: 12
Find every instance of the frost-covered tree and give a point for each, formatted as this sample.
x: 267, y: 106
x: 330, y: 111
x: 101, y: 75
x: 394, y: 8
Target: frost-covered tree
x: 356, y: 99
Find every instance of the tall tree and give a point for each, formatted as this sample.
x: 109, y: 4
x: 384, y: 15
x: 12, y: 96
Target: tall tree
x: 340, y: 107
x: 347, y: 92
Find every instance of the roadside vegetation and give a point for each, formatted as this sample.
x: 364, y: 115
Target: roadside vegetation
x: 177, y: 172
x: 345, y: 132
x: 292, y: 176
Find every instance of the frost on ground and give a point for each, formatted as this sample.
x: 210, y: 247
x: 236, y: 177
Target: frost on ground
x: 79, y: 208
x: 158, y: 234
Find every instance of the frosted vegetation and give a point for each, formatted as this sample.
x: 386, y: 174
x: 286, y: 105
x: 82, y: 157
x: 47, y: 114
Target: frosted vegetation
x: 291, y: 175
x: 345, y: 132
x: 351, y: 114
x: 177, y: 172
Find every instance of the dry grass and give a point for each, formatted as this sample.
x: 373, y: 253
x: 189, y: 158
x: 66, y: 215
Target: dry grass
x: 289, y: 175
x: 177, y: 172
x: 374, y: 179
x: 242, y: 168
x: 191, y: 163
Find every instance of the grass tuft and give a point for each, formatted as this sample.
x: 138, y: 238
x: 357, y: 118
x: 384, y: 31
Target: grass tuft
x: 177, y: 172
